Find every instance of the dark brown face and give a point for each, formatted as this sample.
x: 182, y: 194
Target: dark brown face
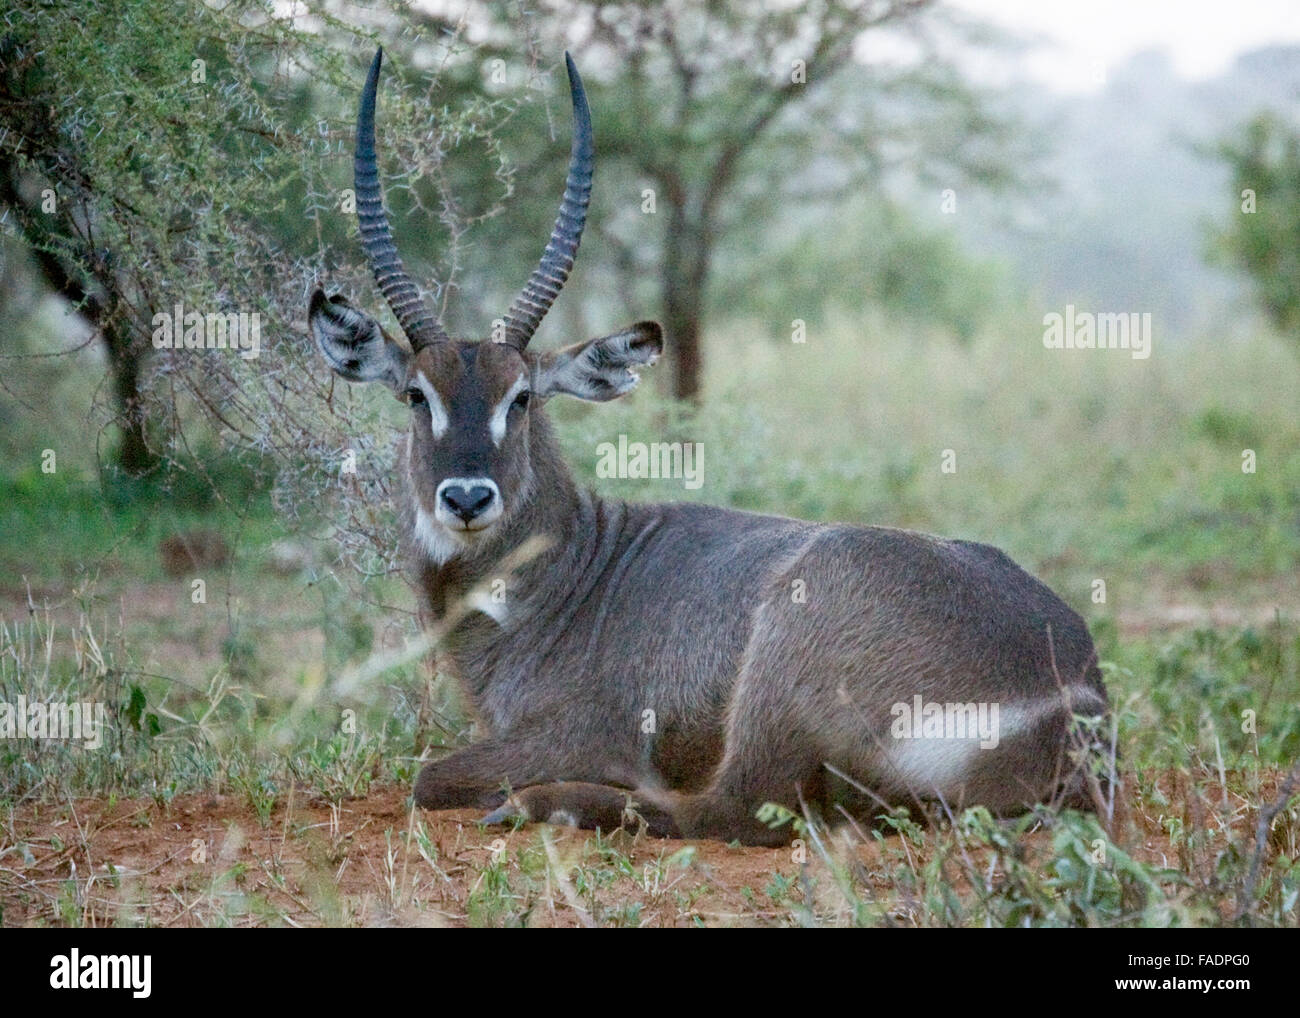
x: 467, y: 454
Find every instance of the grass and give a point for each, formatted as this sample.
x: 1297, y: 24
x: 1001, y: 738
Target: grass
x: 1084, y: 466
x: 1079, y: 463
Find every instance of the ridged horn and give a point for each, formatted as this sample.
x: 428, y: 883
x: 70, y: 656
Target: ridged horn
x: 394, y: 282
x: 547, y: 280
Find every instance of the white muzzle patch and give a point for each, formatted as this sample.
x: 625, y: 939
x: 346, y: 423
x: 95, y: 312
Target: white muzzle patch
x: 443, y: 514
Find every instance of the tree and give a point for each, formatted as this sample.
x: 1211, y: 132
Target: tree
x: 164, y: 153
x: 55, y: 228
x: 721, y: 115
x: 1263, y: 239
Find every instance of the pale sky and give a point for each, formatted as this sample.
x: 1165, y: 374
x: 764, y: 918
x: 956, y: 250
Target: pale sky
x: 1083, y: 37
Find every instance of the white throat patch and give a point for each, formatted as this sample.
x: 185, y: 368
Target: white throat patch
x: 441, y: 545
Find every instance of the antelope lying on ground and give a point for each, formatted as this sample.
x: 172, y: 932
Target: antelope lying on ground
x: 695, y: 661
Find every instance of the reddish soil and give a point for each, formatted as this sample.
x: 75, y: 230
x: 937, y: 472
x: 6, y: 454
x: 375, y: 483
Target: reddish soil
x: 312, y: 865
x: 209, y: 860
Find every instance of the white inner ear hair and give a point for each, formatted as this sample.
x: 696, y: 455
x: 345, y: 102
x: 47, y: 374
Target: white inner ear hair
x: 500, y: 414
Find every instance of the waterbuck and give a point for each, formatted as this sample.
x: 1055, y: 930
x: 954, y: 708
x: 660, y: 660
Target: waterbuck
x: 684, y: 664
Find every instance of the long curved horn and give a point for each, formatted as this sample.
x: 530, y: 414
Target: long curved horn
x: 544, y: 285
x: 395, y: 284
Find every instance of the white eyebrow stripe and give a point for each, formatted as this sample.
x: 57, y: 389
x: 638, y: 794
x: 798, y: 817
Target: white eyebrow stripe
x: 437, y: 412
x: 497, y: 423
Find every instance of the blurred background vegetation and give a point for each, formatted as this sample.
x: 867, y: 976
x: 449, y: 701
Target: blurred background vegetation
x: 851, y: 239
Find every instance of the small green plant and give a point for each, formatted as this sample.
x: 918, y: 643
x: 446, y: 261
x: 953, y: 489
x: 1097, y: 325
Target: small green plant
x: 339, y: 767
x: 260, y: 792
x: 492, y: 901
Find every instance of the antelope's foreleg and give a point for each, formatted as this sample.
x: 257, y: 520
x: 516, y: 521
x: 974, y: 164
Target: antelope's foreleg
x: 592, y: 807
x: 479, y: 775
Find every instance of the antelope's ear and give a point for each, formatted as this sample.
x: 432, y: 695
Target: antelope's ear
x: 353, y: 344
x: 600, y: 369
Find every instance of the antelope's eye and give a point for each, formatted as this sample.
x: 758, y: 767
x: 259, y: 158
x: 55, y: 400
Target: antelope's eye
x: 415, y: 396
x: 521, y: 401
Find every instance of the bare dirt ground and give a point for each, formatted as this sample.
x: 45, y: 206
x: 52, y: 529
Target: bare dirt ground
x: 1171, y: 604
x: 212, y: 860
x: 313, y: 864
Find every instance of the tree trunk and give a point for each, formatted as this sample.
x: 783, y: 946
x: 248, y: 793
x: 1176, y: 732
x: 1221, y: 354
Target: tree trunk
x: 686, y: 255
x: 682, y: 322
x: 125, y: 362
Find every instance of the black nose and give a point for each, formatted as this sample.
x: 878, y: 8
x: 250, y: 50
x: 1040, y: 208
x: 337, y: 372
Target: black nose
x: 467, y: 502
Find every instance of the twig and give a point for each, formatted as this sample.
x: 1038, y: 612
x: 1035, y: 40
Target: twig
x: 1266, y: 817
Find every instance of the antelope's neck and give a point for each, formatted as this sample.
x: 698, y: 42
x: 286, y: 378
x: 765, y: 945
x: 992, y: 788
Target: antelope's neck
x: 543, y: 562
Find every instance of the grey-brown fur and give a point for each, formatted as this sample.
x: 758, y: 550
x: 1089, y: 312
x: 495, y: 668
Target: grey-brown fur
x: 688, y: 610
x: 694, y: 661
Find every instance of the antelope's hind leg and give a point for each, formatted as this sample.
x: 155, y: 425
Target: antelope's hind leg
x: 784, y: 711
x: 588, y: 806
